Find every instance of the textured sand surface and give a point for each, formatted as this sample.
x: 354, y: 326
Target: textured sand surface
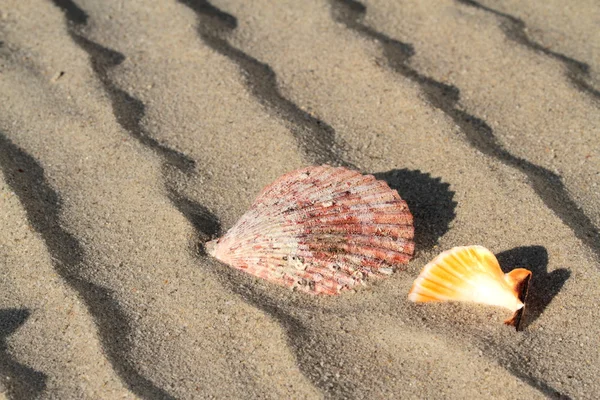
x: 133, y: 131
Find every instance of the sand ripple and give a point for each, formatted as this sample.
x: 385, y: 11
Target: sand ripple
x: 132, y: 132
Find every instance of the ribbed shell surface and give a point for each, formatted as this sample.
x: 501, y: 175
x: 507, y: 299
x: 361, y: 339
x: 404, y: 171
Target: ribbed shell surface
x: 468, y: 273
x: 320, y: 230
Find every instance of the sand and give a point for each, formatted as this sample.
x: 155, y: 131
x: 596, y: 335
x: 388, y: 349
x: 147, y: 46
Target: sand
x: 131, y: 132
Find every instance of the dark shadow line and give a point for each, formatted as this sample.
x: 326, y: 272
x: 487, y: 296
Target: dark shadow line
x: 42, y: 204
x: 298, y: 338
x: 17, y: 381
x: 544, y: 285
x: 73, y: 13
x: 547, y: 185
x: 315, y: 138
x: 127, y: 110
x: 515, y: 29
x: 517, y: 365
x: 479, y: 134
x: 206, y: 224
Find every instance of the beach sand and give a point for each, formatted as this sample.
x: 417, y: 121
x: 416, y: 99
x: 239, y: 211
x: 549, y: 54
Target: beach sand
x: 131, y: 132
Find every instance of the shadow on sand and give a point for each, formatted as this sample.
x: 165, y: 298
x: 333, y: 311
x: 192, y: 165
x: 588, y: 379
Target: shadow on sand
x: 544, y: 285
x: 17, y: 381
x: 429, y: 200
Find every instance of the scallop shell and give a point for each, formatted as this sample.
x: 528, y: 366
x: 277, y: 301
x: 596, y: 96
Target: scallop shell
x: 472, y: 273
x: 320, y: 230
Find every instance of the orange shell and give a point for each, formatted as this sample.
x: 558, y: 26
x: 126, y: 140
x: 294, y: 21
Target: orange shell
x: 472, y: 273
x: 320, y: 230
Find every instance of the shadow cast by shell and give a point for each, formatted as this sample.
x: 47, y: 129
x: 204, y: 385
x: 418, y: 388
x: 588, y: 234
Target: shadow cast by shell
x: 544, y: 285
x: 429, y: 200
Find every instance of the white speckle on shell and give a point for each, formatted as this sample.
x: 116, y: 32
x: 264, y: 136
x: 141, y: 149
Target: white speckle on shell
x: 296, y: 263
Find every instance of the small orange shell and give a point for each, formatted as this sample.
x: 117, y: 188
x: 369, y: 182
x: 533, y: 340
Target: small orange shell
x: 320, y: 230
x: 473, y: 274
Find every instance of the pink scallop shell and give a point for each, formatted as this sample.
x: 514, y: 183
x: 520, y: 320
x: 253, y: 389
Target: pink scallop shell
x: 320, y: 230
